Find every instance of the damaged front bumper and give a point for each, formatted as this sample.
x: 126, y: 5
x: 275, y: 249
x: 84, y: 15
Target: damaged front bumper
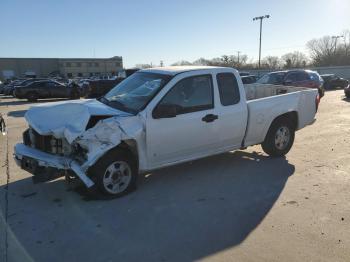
x: 29, y: 158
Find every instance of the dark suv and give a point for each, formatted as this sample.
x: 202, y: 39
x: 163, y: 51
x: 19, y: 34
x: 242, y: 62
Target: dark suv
x: 46, y: 89
x: 332, y: 81
x: 302, y: 78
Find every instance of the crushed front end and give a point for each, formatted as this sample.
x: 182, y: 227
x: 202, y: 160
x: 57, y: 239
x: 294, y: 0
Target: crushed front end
x: 42, y: 155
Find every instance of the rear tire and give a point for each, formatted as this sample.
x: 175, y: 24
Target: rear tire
x: 32, y: 97
x: 115, y: 173
x: 280, y: 138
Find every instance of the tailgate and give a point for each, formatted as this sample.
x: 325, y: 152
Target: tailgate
x: 307, y: 107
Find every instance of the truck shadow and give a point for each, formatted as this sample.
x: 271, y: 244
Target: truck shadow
x: 18, y: 113
x: 180, y: 213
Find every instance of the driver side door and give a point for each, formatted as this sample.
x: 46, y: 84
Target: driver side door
x: 189, y: 134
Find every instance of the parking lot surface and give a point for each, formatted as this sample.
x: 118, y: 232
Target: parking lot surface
x: 238, y: 206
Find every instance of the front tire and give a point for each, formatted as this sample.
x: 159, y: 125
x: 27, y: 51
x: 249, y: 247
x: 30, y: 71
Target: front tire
x: 279, y: 139
x: 115, y: 173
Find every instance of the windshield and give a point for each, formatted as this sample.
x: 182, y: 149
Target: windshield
x: 273, y: 78
x: 134, y: 93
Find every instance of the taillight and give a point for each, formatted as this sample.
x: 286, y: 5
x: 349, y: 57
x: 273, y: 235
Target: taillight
x: 317, y: 101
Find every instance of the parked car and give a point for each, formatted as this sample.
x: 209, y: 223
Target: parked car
x: 244, y: 74
x: 160, y: 117
x: 332, y: 81
x: 347, y: 91
x: 127, y: 72
x: 46, y: 89
x: 2, y: 85
x: 9, y: 88
x: 303, y: 78
x: 97, y: 88
x: 250, y: 79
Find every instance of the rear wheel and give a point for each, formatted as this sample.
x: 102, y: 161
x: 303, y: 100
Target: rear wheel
x: 115, y: 173
x: 279, y: 138
x: 32, y: 97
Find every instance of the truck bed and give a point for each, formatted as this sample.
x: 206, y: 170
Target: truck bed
x: 256, y: 91
x: 266, y: 102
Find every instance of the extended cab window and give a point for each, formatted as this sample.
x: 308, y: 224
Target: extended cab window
x: 228, y: 89
x: 191, y: 94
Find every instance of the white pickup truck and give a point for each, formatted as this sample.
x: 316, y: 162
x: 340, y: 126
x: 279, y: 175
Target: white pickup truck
x: 161, y: 117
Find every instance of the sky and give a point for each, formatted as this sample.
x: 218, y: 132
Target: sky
x: 148, y: 31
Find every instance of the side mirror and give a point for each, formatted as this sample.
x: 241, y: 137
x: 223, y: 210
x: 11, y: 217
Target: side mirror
x: 164, y: 111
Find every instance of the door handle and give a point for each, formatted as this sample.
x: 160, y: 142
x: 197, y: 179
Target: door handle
x: 210, y: 118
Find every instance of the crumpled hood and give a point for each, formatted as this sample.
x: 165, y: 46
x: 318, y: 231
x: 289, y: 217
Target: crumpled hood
x: 67, y: 119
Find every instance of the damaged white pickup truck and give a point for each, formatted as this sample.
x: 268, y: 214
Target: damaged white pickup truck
x: 160, y: 117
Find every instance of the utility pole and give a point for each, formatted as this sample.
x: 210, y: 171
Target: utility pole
x: 238, y: 52
x: 335, y: 37
x: 261, y: 19
x: 161, y: 63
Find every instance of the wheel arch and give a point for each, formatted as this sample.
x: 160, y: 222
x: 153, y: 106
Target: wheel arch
x: 291, y: 116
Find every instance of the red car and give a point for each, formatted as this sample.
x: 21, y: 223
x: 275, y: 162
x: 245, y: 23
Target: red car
x: 302, y: 78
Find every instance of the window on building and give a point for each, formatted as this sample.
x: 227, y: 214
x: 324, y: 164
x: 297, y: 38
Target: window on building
x: 118, y: 64
x: 69, y: 75
x: 68, y: 64
x: 96, y: 64
x: 78, y: 64
x: 89, y: 64
x: 80, y: 74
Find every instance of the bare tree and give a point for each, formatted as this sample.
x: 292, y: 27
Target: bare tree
x: 294, y: 59
x: 182, y: 63
x: 324, y: 52
x: 346, y: 36
x: 143, y: 66
x: 271, y: 62
x: 202, y: 61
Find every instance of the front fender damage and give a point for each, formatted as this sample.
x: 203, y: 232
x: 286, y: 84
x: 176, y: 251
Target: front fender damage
x: 108, y: 134
x: 88, y: 146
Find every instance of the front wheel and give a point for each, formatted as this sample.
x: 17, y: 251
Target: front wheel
x: 115, y: 173
x: 279, y: 138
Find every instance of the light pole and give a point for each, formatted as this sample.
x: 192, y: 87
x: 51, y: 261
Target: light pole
x: 335, y: 37
x: 261, y: 19
x: 238, y: 52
